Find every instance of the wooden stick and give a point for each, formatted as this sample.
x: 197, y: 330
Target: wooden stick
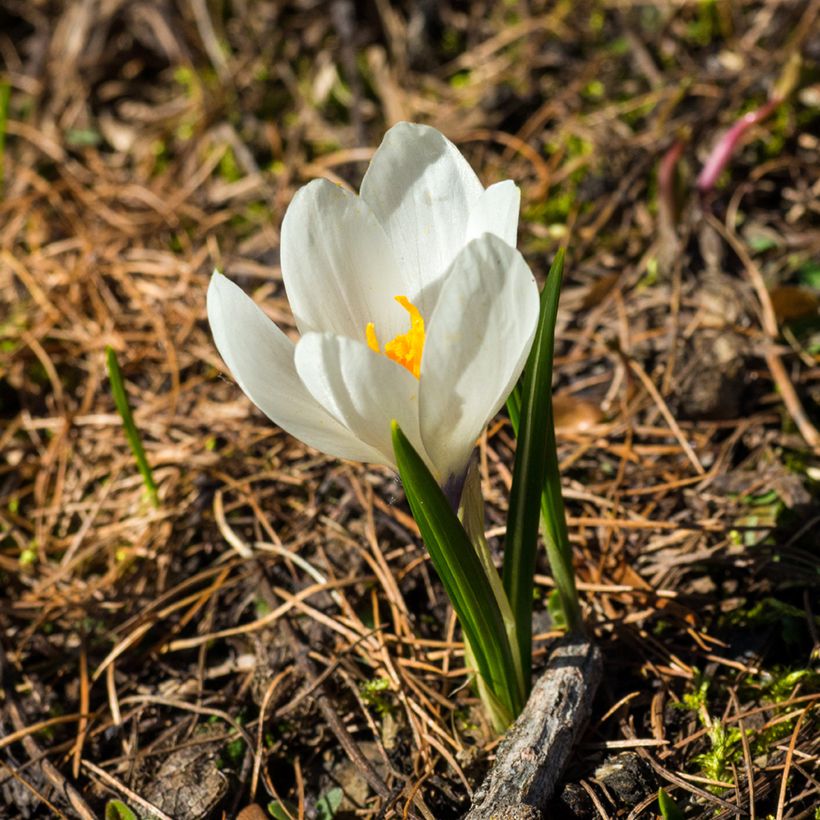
x: 536, y: 749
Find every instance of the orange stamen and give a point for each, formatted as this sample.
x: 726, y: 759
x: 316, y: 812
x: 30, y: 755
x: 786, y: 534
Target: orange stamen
x: 407, y: 348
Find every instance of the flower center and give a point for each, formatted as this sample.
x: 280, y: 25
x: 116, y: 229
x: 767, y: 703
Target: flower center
x: 406, y: 348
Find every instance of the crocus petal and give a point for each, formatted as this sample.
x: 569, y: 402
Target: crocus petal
x: 422, y: 191
x: 337, y: 264
x: 363, y: 390
x: 478, y: 339
x: 260, y: 357
x: 496, y: 212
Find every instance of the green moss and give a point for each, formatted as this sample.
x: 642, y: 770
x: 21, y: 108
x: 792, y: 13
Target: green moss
x: 374, y: 693
x: 460, y: 79
x: 554, y: 208
x: 705, y: 26
x: 783, y: 680
x: 37, y: 373
x: 234, y: 752
x: 789, y: 620
x: 779, y: 128
x: 650, y: 278
x: 636, y: 116
x: 726, y: 750
x: 189, y: 80
x: 451, y: 42
x: 695, y: 701
x: 184, y: 131
x: 594, y: 90
x: 159, y: 148
x: 619, y: 46
x: 228, y: 167
x: 28, y: 556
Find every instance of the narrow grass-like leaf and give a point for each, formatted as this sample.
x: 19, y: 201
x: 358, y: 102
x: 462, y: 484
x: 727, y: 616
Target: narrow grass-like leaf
x: 536, y: 487
x: 131, y: 432
x: 553, y: 514
x: 462, y: 574
x: 668, y: 807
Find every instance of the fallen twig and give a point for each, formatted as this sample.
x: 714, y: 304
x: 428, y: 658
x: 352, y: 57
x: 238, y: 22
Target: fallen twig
x: 536, y: 749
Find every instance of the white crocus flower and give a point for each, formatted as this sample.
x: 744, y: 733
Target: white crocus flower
x: 412, y: 304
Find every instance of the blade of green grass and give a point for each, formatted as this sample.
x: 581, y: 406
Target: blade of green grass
x: 553, y: 514
x: 131, y: 432
x: 536, y: 486
x: 462, y: 574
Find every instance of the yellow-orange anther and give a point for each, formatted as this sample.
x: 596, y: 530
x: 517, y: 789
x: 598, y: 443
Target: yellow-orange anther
x: 406, y: 348
x: 372, y: 341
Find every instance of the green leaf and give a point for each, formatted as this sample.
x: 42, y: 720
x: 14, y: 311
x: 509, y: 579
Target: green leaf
x: 121, y: 401
x: 514, y: 408
x: 463, y: 576
x: 328, y: 804
x: 536, y: 486
x: 809, y: 274
x: 668, y: 807
x: 117, y: 810
x: 282, y: 811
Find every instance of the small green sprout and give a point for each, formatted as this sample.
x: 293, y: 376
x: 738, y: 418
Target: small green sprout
x: 121, y: 401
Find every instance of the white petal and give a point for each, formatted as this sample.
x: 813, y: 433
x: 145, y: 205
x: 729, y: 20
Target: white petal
x: 338, y: 266
x: 364, y: 390
x: 422, y: 191
x: 260, y: 357
x: 478, y: 339
x: 496, y: 212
